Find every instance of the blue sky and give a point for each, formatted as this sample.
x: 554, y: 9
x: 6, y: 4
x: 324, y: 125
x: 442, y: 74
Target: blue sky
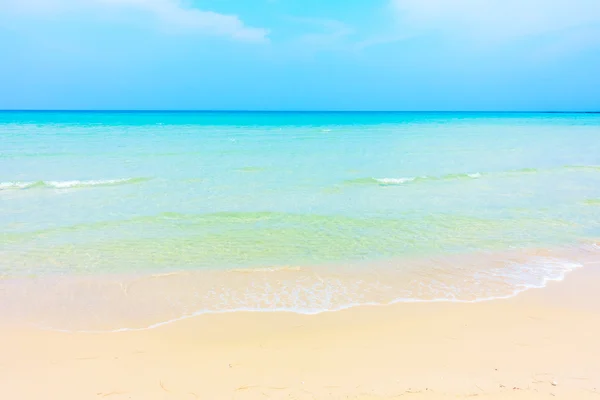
x: 300, y: 54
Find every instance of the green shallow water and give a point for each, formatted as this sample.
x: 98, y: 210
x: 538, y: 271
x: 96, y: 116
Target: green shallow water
x: 157, y: 191
x: 173, y: 241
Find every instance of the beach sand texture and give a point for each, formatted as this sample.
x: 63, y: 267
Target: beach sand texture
x: 541, y: 344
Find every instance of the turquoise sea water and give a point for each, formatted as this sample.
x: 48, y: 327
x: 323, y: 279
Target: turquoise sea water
x: 318, y: 211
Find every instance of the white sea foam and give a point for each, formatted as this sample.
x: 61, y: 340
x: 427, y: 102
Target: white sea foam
x: 315, y: 294
x: 15, y: 185
x: 66, y: 184
x: 535, y: 273
x: 394, y: 181
x: 400, y: 181
x: 70, y: 184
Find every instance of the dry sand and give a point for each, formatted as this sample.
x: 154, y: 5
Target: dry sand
x: 542, y: 344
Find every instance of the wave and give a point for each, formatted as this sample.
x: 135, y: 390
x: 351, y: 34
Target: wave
x: 294, y: 290
x: 584, y: 167
x: 461, y: 176
x: 385, y: 181
x: 394, y: 181
x: 402, y: 181
x: 69, y: 184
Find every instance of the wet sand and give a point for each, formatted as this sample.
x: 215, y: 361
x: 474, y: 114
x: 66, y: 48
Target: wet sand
x: 120, y: 302
x: 541, y: 344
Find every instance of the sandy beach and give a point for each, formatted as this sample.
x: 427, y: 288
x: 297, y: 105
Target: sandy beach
x: 299, y: 200
x: 540, y: 344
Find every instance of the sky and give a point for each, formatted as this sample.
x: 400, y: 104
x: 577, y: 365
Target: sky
x: 478, y: 55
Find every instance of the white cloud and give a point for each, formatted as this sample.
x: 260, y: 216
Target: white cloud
x: 495, y: 19
x: 172, y: 14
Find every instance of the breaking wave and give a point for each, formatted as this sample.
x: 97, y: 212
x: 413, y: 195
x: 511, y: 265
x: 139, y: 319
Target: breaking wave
x: 464, y: 176
x: 16, y: 185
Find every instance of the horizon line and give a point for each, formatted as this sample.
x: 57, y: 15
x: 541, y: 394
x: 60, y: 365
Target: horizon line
x: 296, y: 111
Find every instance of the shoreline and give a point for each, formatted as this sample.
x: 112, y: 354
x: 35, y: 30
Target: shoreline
x: 318, y: 312
x: 125, y: 302
x: 539, y: 344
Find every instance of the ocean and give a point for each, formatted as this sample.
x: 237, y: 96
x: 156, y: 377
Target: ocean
x: 129, y: 220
